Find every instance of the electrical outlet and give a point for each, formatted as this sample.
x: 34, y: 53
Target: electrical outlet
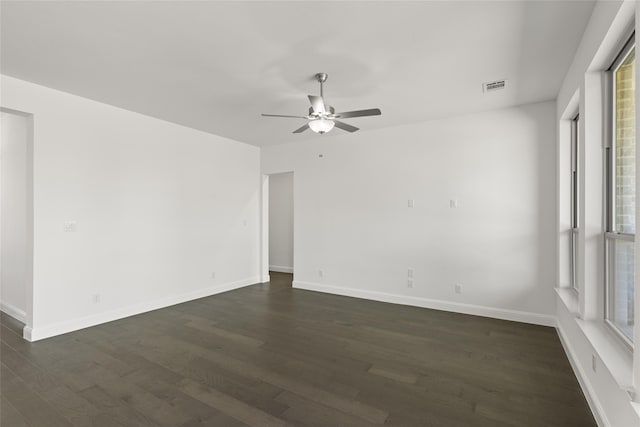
x: 96, y: 298
x: 70, y: 226
x: 458, y: 288
x: 213, y: 275
x: 593, y: 362
x: 453, y: 203
x: 320, y: 273
x: 410, y: 273
x: 409, y: 283
x: 410, y: 203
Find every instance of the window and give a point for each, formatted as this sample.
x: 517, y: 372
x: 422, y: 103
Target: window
x: 621, y: 195
x: 575, y: 126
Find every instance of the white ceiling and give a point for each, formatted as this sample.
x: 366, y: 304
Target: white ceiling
x: 215, y: 66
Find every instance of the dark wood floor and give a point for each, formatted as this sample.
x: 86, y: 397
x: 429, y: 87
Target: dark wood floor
x: 268, y: 355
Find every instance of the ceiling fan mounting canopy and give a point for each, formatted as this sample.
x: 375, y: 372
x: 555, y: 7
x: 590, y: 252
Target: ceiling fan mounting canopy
x: 322, y: 77
x: 322, y: 117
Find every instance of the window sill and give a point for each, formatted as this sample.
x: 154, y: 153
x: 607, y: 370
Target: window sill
x: 614, y: 355
x: 570, y: 299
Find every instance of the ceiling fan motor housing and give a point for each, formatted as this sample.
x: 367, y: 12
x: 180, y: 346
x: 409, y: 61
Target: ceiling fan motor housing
x: 328, y: 108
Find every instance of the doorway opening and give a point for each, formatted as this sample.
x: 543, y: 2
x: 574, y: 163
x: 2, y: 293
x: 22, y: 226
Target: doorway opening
x: 278, y: 226
x: 16, y: 217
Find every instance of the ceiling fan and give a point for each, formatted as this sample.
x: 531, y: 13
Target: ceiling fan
x: 322, y: 117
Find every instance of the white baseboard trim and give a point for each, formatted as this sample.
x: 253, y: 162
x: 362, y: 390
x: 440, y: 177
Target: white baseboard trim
x: 281, y: 269
x: 476, y: 310
x: 39, y: 333
x: 27, y: 333
x: 13, y: 311
x: 585, y: 384
x: 265, y: 279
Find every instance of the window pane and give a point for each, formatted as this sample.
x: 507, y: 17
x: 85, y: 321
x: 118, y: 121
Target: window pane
x: 620, y: 292
x: 625, y: 143
x: 574, y: 259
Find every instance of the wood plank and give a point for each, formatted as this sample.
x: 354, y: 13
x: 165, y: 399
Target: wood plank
x: 394, y: 374
x: 308, y: 413
x: 230, y: 406
x: 33, y: 408
x: 9, y: 415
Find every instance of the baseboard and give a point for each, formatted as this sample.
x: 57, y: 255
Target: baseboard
x: 39, y: 333
x: 13, y: 311
x: 456, y: 307
x: 281, y: 269
x: 587, y: 388
x: 265, y: 279
x: 27, y: 333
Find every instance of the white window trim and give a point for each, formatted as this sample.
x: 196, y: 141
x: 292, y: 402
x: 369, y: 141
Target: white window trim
x: 575, y: 204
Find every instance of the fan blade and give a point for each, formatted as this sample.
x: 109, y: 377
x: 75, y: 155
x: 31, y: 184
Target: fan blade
x: 317, y: 103
x: 344, y: 126
x: 280, y: 115
x: 302, y: 129
x: 359, y: 113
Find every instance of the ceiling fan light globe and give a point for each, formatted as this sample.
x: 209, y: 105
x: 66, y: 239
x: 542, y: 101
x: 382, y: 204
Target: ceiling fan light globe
x: 321, y: 125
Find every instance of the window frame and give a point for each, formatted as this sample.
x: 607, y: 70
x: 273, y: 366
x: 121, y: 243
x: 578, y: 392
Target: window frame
x: 574, y: 195
x: 610, y: 234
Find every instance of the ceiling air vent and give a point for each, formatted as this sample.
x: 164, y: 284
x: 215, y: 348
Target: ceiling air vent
x: 494, y: 86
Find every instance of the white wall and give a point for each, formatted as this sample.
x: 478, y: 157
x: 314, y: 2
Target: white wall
x: 281, y: 222
x: 159, y: 208
x: 580, y: 316
x: 353, y: 221
x: 13, y: 205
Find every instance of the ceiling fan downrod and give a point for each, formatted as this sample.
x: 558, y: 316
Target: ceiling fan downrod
x: 322, y: 77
